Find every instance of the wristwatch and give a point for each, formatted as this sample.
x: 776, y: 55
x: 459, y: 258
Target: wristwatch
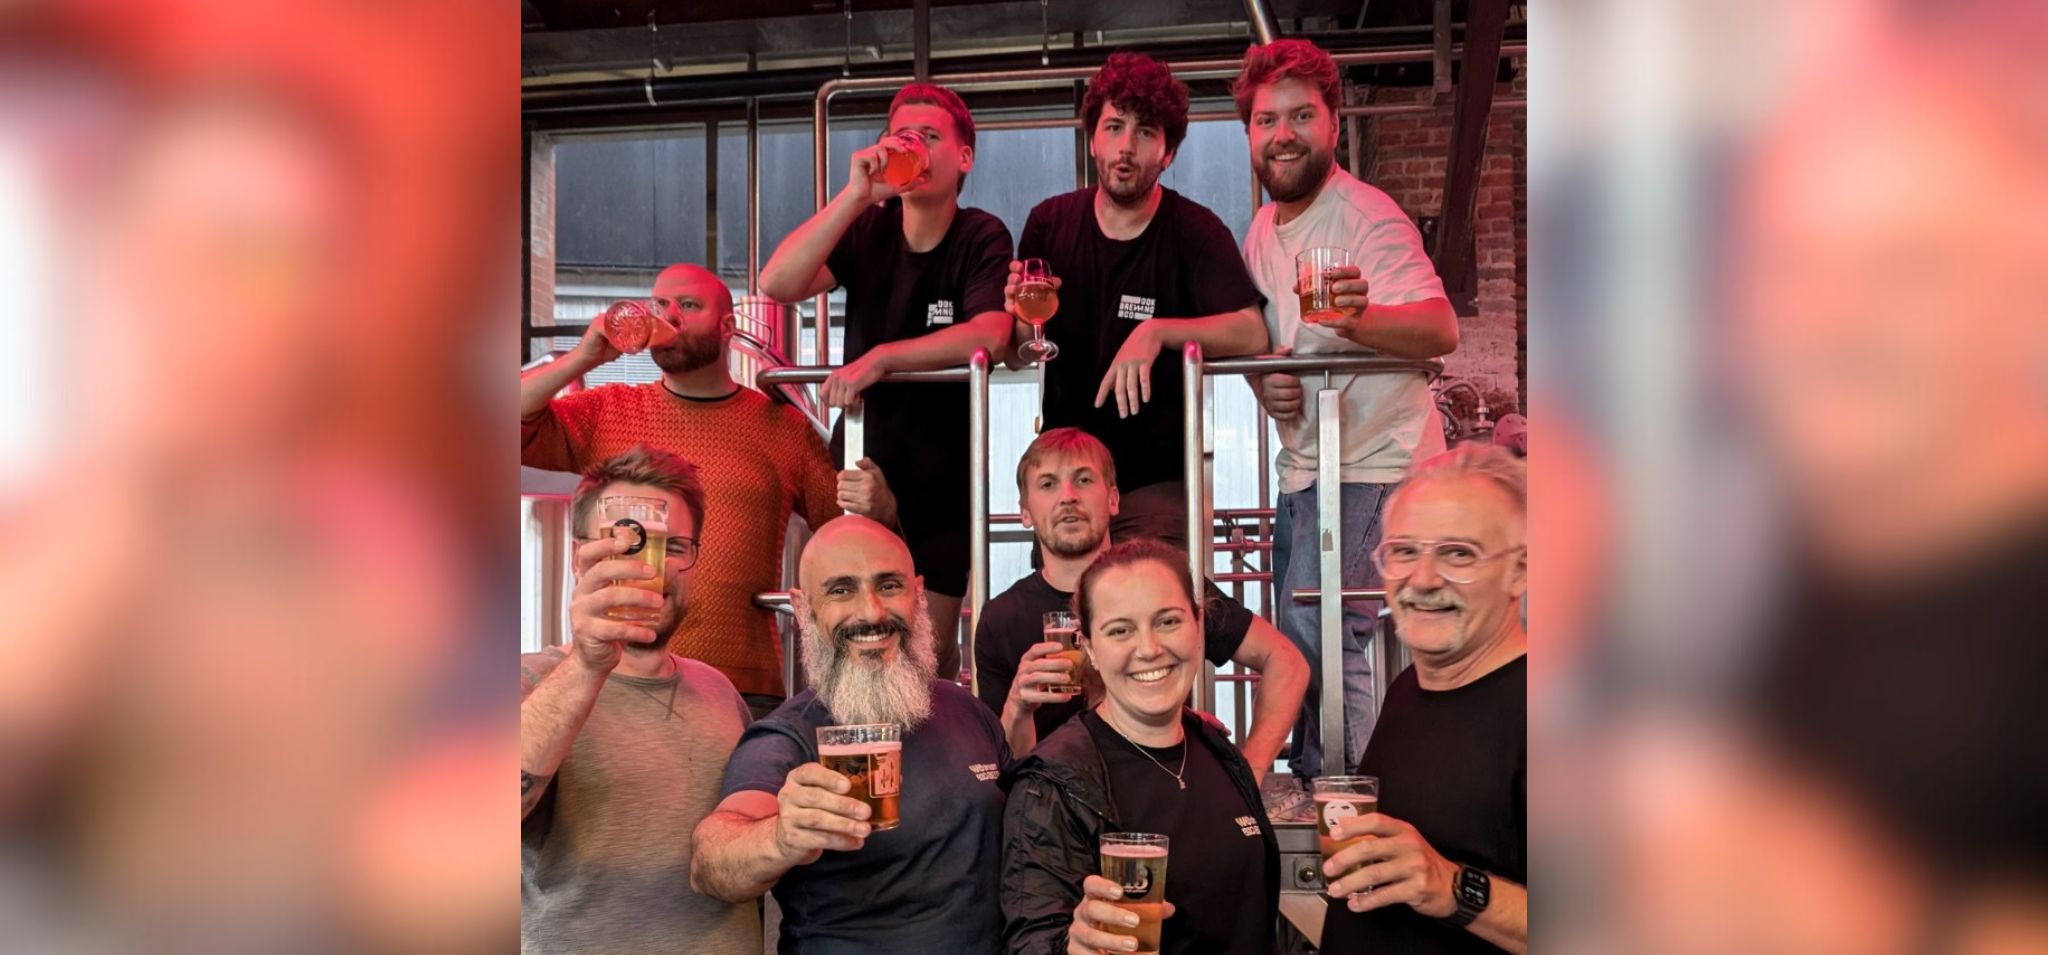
x: 1472, y: 891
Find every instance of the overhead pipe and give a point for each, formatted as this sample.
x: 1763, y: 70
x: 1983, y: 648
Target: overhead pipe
x: 1261, y: 20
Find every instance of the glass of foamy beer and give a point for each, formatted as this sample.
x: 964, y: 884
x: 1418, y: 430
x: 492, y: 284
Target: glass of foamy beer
x: 1313, y: 281
x: 902, y: 167
x: 1341, y: 799
x: 871, y: 756
x: 1061, y: 627
x: 643, y: 522
x: 1037, y: 300
x: 1136, y: 862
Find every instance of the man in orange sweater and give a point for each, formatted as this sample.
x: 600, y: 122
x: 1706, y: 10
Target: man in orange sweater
x: 760, y: 462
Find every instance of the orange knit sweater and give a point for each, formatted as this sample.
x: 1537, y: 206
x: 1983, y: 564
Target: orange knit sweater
x: 760, y: 462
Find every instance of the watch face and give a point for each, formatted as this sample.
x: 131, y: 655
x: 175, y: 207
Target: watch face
x: 1474, y: 888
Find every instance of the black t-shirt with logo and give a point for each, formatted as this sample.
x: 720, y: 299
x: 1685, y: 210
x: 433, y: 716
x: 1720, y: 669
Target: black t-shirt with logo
x: 1215, y: 854
x: 1184, y: 265
x: 1455, y: 765
x: 917, y: 433
x: 1014, y: 620
x: 928, y: 885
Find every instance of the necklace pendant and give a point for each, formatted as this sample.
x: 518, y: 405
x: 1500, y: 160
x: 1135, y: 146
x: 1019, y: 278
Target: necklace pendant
x: 1183, y: 783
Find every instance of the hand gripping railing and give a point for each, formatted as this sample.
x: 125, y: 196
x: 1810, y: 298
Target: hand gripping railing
x: 976, y: 375
x: 1329, y: 499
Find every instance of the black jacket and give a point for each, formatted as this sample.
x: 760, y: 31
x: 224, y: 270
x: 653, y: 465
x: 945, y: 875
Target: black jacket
x: 1059, y: 806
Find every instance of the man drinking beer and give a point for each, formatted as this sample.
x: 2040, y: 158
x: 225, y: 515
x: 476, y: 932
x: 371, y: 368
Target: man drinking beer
x: 844, y: 878
x: 924, y: 289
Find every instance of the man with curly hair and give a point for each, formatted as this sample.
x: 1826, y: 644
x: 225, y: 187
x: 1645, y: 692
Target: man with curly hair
x: 1141, y: 271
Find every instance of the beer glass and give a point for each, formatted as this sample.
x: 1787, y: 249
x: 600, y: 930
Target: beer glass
x: 1313, y: 281
x: 871, y: 756
x: 902, y: 167
x: 1060, y: 628
x: 1342, y: 798
x: 1136, y: 862
x: 1037, y: 300
x: 633, y: 324
x: 644, y: 520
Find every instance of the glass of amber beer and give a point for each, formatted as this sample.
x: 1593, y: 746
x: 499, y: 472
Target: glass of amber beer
x: 633, y: 325
x: 1037, y: 300
x: 643, y: 521
x: 903, y: 166
x: 1136, y: 862
x: 1342, y: 798
x: 1060, y: 628
x: 1313, y: 283
x: 871, y: 756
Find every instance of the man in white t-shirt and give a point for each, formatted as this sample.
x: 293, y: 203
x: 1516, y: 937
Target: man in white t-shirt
x: 1288, y: 96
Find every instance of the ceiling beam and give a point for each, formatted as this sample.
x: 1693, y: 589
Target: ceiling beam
x: 1480, y: 65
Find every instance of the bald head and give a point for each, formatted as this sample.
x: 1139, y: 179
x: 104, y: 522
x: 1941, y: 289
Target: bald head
x: 689, y: 279
x: 852, y: 546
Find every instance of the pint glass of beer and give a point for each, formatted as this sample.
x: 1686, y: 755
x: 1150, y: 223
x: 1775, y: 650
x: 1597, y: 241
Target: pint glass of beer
x: 1312, y: 276
x: 1341, y: 798
x: 902, y: 168
x: 633, y: 325
x: 1136, y: 862
x: 1060, y: 628
x: 871, y: 756
x: 643, y: 521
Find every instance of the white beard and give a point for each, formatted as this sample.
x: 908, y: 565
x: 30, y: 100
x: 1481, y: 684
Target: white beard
x: 857, y: 689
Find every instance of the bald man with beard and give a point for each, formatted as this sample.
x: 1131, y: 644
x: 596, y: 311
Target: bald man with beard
x: 787, y: 823
x: 760, y: 461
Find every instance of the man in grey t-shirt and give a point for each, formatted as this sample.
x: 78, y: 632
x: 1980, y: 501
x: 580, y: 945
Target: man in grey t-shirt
x: 622, y: 745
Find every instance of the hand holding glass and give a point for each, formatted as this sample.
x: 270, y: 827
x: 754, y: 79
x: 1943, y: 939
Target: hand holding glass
x: 1037, y: 300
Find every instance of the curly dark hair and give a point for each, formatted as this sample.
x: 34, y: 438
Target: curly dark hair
x: 1143, y: 87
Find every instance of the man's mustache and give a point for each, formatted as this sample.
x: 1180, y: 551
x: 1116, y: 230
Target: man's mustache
x: 881, y: 628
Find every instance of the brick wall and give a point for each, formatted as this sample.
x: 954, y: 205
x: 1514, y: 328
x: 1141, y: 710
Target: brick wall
x: 1405, y: 154
x: 540, y: 233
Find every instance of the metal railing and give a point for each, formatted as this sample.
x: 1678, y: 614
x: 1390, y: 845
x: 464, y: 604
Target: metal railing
x: 1329, y: 513
x: 976, y: 375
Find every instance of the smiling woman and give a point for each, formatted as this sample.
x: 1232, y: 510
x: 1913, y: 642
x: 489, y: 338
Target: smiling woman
x: 1139, y: 762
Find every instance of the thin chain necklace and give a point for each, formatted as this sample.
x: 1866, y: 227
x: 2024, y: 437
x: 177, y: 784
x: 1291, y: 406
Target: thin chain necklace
x: 1179, y: 777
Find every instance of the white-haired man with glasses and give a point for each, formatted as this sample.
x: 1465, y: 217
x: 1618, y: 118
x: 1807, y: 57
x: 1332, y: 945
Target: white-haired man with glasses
x: 1443, y: 866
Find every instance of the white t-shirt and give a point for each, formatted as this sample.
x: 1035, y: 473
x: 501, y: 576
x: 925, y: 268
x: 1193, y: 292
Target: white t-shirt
x: 1390, y: 419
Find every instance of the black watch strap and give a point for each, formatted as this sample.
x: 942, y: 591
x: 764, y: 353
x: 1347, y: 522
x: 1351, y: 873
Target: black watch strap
x: 1473, y: 890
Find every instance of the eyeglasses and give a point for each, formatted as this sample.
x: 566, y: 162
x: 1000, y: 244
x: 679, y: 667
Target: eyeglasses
x: 1456, y: 561
x: 680, y: 555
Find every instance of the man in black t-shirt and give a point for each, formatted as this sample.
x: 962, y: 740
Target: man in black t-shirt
x: 1067, y: 485
x: 924, y: 290
x: 1444, y: 867
x: 1141, y: 271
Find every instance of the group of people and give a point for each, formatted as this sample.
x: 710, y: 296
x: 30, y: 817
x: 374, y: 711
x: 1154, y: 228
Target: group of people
x: 668, y: 784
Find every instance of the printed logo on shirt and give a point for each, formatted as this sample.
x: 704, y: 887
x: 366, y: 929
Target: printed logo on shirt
x: 939, y: 313
x: 986, y: 772
x: 1249, y: 824
x: 1136, y: 308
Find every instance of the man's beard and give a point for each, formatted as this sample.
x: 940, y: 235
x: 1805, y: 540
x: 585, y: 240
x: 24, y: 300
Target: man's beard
x: 671, y: 617
x: 1441, y: 598
x: 858, y: 688
x: 1072, y: 547
x: 1313, y: 169
x: 688, y: 353
x: 1140, y: 187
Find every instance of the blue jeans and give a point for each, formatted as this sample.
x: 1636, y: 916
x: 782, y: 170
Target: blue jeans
x: 1297, y: 565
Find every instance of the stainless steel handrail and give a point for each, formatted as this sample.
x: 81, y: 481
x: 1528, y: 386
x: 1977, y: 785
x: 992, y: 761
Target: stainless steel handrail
x: 976, y: 375
x: 1329, y: 521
